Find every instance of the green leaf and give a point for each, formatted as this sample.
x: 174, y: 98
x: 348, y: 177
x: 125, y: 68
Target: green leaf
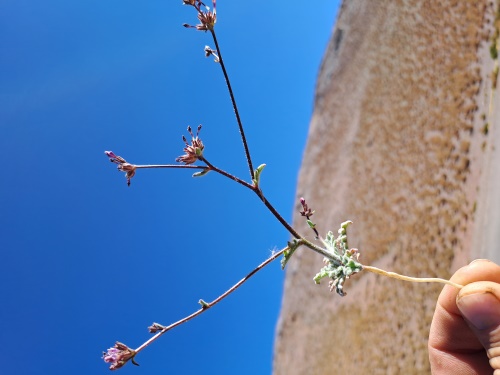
x: 201, y: 173
x: 257, y: 173
x: 311, y: 224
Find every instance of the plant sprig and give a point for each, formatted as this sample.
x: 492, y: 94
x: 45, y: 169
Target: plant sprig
x: 341, y: 261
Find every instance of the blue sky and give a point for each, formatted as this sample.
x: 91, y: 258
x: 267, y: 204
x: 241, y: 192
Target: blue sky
x: 87, y: 260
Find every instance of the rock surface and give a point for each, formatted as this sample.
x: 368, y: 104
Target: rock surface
x: 401, y: 142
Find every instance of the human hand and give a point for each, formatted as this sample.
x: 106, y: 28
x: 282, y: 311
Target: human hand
x: 465, y: 330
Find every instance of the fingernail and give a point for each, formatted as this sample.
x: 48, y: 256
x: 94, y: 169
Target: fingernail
x: 482, y: 310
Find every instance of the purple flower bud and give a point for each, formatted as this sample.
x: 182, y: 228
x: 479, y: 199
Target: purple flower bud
x: 118, y: 355
x: 110, y: 154
x: 123, y: 166
x: 111, y: 355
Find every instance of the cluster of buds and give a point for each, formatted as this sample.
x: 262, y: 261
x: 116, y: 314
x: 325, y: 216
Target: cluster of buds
x: 123, y: 166
x: 118, y: 355
x: 341, y: 263
x: 193, y: 151
x: 207, y: 17
x: 307, y: 212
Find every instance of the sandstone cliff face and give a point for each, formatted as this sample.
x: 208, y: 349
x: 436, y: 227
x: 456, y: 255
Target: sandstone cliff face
x: 402, y: 143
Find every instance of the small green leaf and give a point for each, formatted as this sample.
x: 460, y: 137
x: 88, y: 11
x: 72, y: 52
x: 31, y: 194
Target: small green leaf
x: 311, y: 224
x: 260, y: 168
x: 286, y: 257
x: 201, y: 173
x: 257, y: 173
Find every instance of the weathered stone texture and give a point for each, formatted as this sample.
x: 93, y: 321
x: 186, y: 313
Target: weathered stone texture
x: 396, y: 145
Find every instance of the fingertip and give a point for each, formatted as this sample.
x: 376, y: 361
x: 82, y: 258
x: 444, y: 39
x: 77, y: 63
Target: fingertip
x: 477, y: 270
x: 480, y: 260
x: 480, y: 305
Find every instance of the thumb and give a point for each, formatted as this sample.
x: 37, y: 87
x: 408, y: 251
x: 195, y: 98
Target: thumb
x: 479, y: 303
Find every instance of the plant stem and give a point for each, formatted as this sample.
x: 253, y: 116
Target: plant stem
x: 412, y: 279
x: 308, y: 217
x: 245, y: 146
x: 170, y: 166
x: 320, y: 250
x: 276, y: 214
x: 206, y: 306
x: 224, y: 173
x: 235, y: 107
x: 259, y: 193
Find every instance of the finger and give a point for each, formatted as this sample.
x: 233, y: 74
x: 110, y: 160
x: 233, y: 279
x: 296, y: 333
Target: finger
x: 453, y: 347
x: 479, y: 303
x: 477, y: 270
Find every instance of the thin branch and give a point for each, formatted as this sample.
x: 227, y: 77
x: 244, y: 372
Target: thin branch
x: 276, y: 214
x: 259, y: 193
x: 170, y: 166
x: 254, y: 188
x: 308, y: 217
x: 224, y: 173
x: 206, y: 306
x: 235, y: 107
x: 318, y: 249
x: 412, y: 279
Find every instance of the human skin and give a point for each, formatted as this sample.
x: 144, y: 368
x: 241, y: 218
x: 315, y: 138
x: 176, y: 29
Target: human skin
x: 465, y: 331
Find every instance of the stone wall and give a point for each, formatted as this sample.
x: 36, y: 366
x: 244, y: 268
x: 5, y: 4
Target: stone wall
x: 400, y: 143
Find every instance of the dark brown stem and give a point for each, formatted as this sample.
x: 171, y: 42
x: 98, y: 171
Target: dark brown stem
x: 276, y: 214
x: 259, y: 193
x: 224, y: 173
x: 170, y: 166
x: 235, y: 107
